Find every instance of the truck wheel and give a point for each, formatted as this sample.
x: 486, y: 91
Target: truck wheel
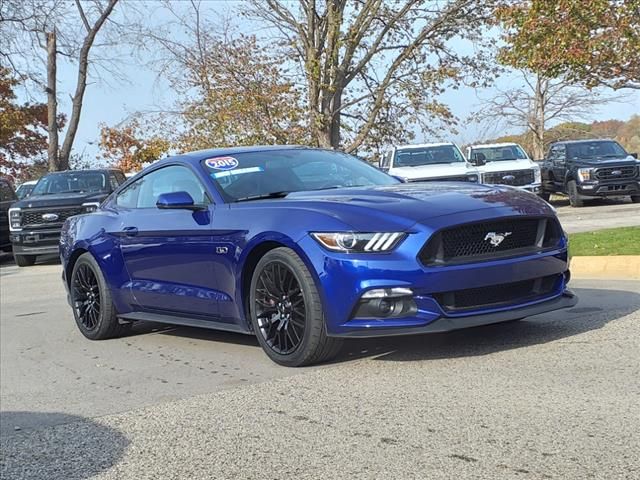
x: 24, y: 260
x: 635, y: 198
x: 574, y: 197
x: 545, y: 196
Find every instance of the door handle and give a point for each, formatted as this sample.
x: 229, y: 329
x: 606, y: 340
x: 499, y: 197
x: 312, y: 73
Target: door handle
x: 130, y: 231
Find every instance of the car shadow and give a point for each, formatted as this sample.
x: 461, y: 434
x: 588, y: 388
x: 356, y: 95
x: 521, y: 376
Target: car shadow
x: 148, y: 328
x: 31, y: 450
x: 588, y: 315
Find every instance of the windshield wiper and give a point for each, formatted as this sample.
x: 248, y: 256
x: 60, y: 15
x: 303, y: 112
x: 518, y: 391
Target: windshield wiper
x: 281, y: 194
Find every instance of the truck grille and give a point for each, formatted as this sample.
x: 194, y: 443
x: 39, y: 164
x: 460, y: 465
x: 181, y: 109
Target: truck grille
x: 516, y: 178
x: 490, y: 240
x: 33, y: 218
x: 615, y: 173
x: 498, y: 295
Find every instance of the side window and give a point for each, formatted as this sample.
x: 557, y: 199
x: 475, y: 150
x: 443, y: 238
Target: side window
x: 128, y: 198
x: 166, y: 180
x: 558, y: 154
x: 386, y: 160
x: 113, y: 181
x: 6, y: 192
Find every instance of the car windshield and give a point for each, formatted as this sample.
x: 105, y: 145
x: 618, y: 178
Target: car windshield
x: 71, y: 182
x: 499, y: 154
x: 417, y: 156
x: 596, y: 150
x: 275, y: 173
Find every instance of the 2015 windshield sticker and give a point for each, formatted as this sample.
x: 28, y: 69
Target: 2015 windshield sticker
x: 221, y: 163
x: 239, y: 171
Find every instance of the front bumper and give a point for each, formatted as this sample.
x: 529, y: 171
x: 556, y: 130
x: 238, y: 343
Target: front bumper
x: 36, y: 242
x: 609, y: 188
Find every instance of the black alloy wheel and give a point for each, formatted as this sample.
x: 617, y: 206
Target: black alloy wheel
x: 91, y: 300
x: 286, y: 311
x: 86, y: 297
x: 280, y: 308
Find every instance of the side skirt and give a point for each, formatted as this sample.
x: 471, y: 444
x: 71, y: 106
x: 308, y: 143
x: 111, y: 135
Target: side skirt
x: 185, y: 322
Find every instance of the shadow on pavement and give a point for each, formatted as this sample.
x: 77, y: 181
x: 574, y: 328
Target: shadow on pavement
x: 591, y: 313
x: 76, y: 448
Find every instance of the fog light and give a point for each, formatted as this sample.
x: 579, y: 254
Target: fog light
x: 386, y: 303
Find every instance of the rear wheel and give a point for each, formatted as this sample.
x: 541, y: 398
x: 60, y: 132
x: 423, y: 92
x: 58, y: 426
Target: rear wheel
x: 286, y: 311
x: 93, y: 307
x: 574, y: 197
x: 545, y: 195
x: 24, y: 260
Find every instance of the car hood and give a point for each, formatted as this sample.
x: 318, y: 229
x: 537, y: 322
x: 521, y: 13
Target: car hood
x: 403, y: 205
x: 433, y: 171
x: 507, y: 165
x: 60, y: 200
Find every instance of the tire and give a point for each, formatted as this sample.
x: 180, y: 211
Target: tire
x: 24, y: 260
x: 545, y: 196
x: 635, y: 198
x: 286, y: 311
x: 97, y: 319
x: 574, y: 197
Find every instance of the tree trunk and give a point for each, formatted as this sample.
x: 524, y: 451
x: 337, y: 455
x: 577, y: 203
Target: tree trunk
x: 52, y: 103
x: 539, y: 118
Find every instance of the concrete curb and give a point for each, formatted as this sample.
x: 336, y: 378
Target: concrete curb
x: 621, y: 267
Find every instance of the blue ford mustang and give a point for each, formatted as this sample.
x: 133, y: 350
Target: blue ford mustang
x: 303, y: 247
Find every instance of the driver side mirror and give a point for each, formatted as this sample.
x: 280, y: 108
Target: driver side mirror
x: 177, y: 201
x: 479, y: 159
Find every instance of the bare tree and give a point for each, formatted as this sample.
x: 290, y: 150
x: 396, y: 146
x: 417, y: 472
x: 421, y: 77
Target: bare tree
x: 373, y: 69
x: 539, y: 102
x: 28, y: 29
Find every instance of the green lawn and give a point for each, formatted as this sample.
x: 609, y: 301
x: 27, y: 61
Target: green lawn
x: 615, y: 241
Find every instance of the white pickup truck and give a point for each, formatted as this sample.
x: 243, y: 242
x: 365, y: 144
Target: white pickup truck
x: 505, y: 164
x: 429, y: 161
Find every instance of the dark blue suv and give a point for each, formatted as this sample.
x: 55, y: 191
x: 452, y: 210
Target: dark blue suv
x: 304, y: 247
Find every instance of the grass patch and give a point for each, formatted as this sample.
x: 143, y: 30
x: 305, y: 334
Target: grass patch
x: 614, y: 241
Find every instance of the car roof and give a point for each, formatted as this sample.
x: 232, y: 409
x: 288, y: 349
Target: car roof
x: 496, y: 145
x: 584, y: 140
x: 421, y: 145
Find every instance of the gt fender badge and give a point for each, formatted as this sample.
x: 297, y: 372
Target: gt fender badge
x: 496, y: 239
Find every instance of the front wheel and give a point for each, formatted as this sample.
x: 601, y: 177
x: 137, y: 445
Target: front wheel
x: 286, y: 311
x: 574, y: 197
x: 635, y: 198
x: 93, y: 307
x: 544, y: 195
x: 24, y: 260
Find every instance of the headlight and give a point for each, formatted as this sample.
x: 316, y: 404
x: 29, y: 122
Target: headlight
x: 90, y: 206
x: 537, y: 176
x: 473, y: 178
x: 585, y: 174
x: 350, y: 242
x: 15, y: 219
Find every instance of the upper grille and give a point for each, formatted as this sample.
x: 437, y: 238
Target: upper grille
x: 459, y: 178
x: 489, y: 240
x: 497, y: 295
x: 517, y: 178
x: 33, y: 218
x: 608, y: 173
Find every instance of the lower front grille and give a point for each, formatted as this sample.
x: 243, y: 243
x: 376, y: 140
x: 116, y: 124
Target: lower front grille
x: 516, y: 178
x: 498, y: 295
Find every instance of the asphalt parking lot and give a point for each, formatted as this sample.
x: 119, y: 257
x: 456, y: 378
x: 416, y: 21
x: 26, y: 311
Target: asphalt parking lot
x: 597, y: 214
x: 554, y: 396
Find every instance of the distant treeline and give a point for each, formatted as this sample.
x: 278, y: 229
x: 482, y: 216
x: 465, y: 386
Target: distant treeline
x: 627, y: 133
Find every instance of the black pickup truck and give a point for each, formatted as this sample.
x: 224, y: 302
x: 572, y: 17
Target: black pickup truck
x: 586, y: 169
x: 36, y: 221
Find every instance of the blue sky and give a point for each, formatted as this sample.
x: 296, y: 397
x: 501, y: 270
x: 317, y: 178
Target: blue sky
x: 112, y: 102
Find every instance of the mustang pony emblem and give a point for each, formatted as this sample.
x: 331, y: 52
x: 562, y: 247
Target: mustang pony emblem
x: 496, y: 238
